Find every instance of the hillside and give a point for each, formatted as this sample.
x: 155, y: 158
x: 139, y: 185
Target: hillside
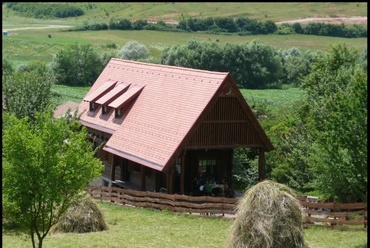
x: 172, y: 12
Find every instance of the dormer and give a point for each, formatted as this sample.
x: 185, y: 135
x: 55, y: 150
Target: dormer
x: 103, y: 89
x: 112, y: 95
x: 123, y: 100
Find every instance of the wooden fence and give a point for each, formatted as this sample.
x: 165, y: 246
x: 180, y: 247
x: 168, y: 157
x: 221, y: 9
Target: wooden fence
x: 352, y: 216
x: 349, y: 216
x: 205, y: 205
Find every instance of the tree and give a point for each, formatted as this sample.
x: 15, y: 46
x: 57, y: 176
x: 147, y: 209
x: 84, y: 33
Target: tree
x: 46, y: 164
x: 133, y: 50
x: 78, y: 65
x: 336, y: 119
x: 28, y: 91
x: 7, y: 66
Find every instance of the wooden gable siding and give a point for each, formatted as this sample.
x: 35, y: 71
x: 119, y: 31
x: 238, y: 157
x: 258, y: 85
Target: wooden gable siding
x: 226, y: 125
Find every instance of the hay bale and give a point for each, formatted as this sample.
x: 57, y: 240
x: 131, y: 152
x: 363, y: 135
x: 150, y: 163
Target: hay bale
x: 82, y: 216
x: 268, y: 215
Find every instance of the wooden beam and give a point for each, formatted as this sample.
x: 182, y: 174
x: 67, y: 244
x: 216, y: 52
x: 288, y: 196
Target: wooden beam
x: 170, y: 180
x: 113, y: 169
x: 182, y: 177
x: 143, y: 177
x: 261, y: 164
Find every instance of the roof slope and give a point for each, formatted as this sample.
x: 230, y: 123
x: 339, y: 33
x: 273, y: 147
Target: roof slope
x: 62, y: 109
x: 170, y: 103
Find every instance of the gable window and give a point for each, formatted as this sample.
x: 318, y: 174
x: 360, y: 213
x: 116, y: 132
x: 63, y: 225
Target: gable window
x: 92, y: 106
x: 104, y: 109
x: 117, y: 113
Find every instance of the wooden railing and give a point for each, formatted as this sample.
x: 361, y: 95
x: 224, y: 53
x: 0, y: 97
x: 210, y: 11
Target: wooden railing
x: 205, y: 205
x: 351, y: 216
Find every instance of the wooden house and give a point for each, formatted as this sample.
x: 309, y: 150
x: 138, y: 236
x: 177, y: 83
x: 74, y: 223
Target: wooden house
x: 160, y: 127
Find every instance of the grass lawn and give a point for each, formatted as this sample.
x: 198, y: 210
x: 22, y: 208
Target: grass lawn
x: 139, y: 228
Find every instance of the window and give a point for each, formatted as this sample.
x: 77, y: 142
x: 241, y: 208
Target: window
x: 104, y: 109
x: 117, y: 113
x: 207, y: 166
x: 92, y: 106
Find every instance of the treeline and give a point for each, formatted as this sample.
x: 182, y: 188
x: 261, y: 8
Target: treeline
x: 240, y: 26
x: 46, y: 10
x: 254, y: 65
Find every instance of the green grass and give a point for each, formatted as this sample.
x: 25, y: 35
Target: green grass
x: 25, y: 45
x: 74, y: 94
x: 33, y: 44
x: 104, y: 11
x: 139, y: 228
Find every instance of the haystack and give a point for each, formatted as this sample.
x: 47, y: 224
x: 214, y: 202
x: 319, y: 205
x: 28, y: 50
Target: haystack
x: 268, y: 216
x: 82, y: 216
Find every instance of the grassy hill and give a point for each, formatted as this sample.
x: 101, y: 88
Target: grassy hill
x: 25, y: 45
x: 174, y: 11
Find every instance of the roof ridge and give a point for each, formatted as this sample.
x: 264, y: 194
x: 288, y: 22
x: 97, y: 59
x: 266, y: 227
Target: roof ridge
x: 170, y: 66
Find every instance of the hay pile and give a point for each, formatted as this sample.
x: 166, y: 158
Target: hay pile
x: 268, y: 216
x: 82, y: 216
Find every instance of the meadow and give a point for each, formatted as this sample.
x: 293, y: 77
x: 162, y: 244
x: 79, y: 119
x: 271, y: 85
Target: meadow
x: 22, y: 46
x: 147, y: 227
x: 139, y: 228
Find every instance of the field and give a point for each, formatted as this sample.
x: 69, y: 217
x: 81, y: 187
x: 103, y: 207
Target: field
x: 24, y: 45
x: 139, y: 228
x: 146, y: 227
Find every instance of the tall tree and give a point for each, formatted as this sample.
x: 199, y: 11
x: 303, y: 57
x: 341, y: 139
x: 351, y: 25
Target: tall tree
x: 46, y: 164
x: 27, y: 91
x: 336, y: 117
x: 77, y: 65
x: 133, y: 50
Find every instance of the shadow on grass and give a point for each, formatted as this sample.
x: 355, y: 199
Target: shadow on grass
x: 11, y: 228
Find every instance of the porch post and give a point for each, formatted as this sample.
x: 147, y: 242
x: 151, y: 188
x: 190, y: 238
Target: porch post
x: 182, y: 177
x: 113, y: 169
x: 170, y: 180
x: 143, y: 181
x: 261, y: 164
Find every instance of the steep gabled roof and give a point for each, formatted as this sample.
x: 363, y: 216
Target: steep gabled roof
x: 62, y: 109
x: 154, y: 126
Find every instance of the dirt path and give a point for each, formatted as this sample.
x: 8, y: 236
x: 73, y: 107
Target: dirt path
x: 29, y: 28
x: 331, y: 20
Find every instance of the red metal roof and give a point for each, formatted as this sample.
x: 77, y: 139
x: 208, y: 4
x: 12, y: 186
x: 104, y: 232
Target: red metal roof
x: 154, y: 127
x: 62, y: 109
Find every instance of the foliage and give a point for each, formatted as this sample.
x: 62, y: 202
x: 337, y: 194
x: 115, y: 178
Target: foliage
x: 254, y: 65
x: 28, y: 91
x: 245, y: 169
x: 77, y: 65
x: 7, y: 66
x: 336, y: 118
x: 49, y: 10
x: 133, y: 50
x: 45, y: 165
